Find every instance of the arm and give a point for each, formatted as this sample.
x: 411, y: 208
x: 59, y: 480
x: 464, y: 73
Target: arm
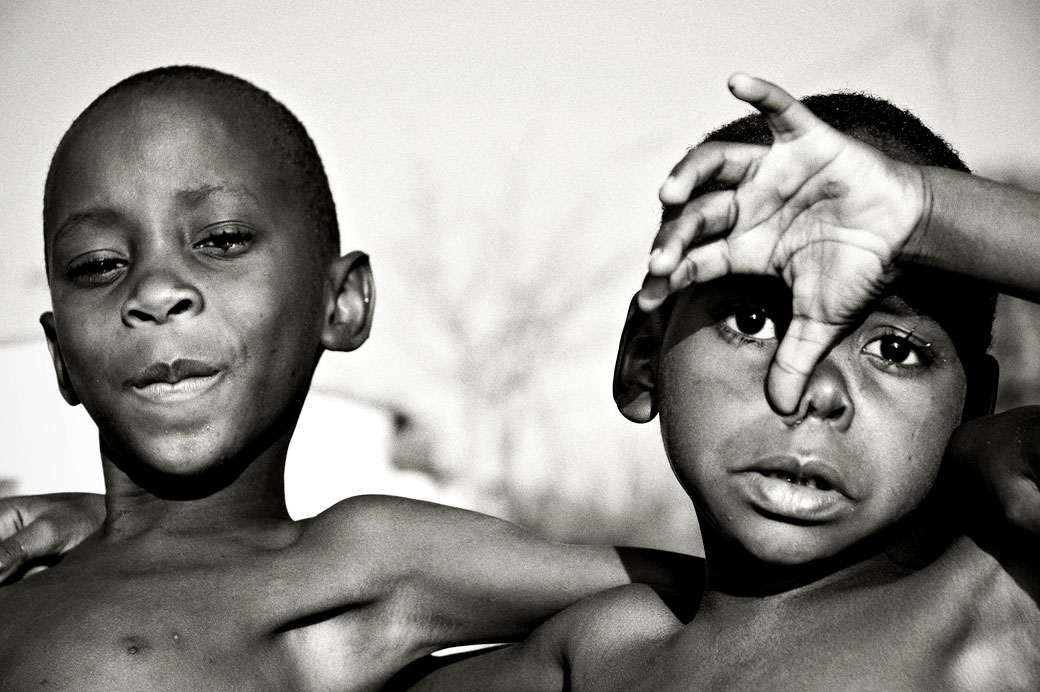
x: 867, y: 215
x: 469, y: 577
x: 34, y: 528
x: 835, y: 218
x: 608, y: 636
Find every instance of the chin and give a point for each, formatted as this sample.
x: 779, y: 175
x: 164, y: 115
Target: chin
x: 791, y: 545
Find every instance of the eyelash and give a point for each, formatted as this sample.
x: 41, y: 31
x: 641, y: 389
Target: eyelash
x: 237, y: 239
x: 920, y: 348
x: 735, y: 335
x: 95, y: 271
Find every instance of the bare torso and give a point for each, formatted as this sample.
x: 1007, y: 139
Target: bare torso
x: 240, y: 615
x: 963, y: 623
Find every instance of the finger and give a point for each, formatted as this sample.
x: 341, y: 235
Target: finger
x: 802, y: 347
x: 700, y: 264
x: 38, y: 539
x: 726, y: 163
x: 705, y: 217
x: 788, y: 118
x: 1020, y: 498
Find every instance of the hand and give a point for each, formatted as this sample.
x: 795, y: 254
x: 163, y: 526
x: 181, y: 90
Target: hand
x: 827, y: 213
x: 1003, y: 451
x: 42, y: 526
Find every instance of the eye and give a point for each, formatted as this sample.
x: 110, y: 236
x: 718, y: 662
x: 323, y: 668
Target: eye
x: 900, y: 350
x: 226, y: 240
x: 95, y: 268
x: 751, y: 321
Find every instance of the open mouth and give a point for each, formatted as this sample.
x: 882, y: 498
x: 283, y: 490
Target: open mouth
x: 815, y: 482
x: 796, y: 489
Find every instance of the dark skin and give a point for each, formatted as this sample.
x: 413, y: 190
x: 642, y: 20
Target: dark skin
x: 191, y: 305
x: 829, y: 564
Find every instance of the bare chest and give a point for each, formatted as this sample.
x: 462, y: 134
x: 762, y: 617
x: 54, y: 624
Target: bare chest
x: 163, y: 632
x: 962, y: 635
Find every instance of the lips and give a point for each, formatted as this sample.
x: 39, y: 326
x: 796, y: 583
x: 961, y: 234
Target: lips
x: 175, y: 381
x: 802, y: 490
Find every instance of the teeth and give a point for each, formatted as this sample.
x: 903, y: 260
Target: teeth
x: 811, y: 482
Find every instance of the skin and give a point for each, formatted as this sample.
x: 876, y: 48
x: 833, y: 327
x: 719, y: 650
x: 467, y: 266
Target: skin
x: 798, y: 597
x: 871, y: 587
x: 172, y: 237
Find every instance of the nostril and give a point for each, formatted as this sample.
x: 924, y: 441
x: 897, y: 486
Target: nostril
x: 140, y: 316
x: 182, y: 306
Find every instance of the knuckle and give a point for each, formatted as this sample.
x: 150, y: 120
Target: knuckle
x: 12, y: 553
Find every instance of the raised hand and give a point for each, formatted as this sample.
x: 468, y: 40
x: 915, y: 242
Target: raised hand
x: 1003, y: 452
x: 38, y: 527
x: 825, y: 212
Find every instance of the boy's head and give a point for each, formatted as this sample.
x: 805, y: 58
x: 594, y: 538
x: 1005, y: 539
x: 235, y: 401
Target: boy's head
x: 191, y: 246
x: 878, y: 409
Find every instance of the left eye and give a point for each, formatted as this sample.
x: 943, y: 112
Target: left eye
x: 751, y: 321
x: 895, y: 349
x: 226, y: 241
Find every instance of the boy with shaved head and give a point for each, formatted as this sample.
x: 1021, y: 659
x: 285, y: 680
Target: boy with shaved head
x: 192, y: 256
x: 846, y: 260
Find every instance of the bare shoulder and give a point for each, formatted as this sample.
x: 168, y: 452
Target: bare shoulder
x: 596, y: 644
x: 996, y: 589
x: 612, y: 634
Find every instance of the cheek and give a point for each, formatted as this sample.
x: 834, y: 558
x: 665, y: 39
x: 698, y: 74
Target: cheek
x: 707, y: 406
x: 917, y: 428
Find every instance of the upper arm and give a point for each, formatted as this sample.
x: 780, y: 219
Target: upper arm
x: 601, y: 637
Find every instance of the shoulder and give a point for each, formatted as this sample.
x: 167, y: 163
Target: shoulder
x: 615, y: 620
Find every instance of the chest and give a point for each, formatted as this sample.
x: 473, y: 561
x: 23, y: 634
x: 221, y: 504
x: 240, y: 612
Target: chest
x: 172, y: 632
x: 960, y: 635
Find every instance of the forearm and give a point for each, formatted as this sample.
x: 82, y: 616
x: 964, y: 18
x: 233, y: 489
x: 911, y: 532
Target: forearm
x: 980, y: 228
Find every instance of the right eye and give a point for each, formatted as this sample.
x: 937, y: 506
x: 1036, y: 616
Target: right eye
x: 752, y: 322
x: 95, y: 269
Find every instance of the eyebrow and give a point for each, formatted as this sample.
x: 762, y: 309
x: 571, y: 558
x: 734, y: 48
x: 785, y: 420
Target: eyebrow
x: 98, y: 216
x: 191, y: 197
x: 195, y: 196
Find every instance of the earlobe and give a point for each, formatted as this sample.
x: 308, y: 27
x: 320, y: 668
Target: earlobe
x: 981, y: 398
x: 351, y: 301
x: 60, y: 370
x: 635, y: 372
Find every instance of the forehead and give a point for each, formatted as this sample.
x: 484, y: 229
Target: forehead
x: 175, y: 144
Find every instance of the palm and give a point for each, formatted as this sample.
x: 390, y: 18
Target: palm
x: 818, y: 208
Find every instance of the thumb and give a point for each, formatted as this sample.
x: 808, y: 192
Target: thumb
x: 803, y: 346
x: 36, y: 540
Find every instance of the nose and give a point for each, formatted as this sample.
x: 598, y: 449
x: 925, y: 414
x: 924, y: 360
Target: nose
x: 826, y: 398
x: 159, y: 297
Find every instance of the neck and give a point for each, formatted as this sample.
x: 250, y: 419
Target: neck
x: 242, y: 493
x: 735, y: 575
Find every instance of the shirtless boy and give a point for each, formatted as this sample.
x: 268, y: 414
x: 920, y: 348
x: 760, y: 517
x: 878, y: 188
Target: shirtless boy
x: 829, y: 565
x: 191, y: 247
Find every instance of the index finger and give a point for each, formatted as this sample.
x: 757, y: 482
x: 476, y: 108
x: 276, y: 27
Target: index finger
x: 788, y: 118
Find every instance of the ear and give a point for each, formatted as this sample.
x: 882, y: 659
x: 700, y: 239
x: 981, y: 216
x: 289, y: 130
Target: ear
x: 350, y: 302
x: 60, y: 371
x: 635, y: 372
x: 981, y: 397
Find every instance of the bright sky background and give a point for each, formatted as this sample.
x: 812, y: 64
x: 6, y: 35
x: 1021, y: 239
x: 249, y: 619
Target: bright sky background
x: 584, y: 103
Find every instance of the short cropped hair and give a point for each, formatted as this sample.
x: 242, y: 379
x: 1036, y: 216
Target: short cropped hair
x: 285, y: 135
x: 965, y: 307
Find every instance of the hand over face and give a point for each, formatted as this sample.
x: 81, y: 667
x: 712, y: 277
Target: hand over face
x: 820, y: 209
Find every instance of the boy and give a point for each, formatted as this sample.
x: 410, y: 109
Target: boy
x: 828, y: 565
x: 480, y: 579
x: 191, y: 248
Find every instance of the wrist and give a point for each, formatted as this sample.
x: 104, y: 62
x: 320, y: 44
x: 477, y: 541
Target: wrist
x: 922, y: 192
